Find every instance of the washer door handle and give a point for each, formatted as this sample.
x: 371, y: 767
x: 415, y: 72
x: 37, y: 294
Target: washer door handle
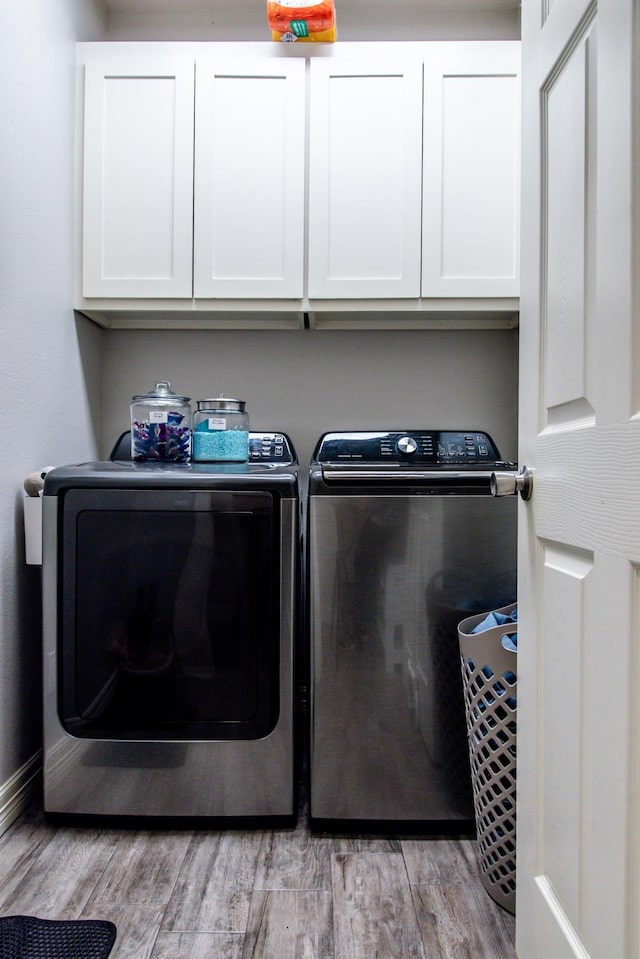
x: 508, y: 484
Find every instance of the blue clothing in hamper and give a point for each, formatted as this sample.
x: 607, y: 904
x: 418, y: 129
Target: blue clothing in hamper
x: 509, y: 640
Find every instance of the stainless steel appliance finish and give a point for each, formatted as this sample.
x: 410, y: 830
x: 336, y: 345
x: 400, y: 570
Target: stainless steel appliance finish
x: 404, y: 540
x: 169, y: 622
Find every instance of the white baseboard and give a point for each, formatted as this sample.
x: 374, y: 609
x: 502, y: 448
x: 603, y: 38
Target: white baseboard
x: 18, y: 791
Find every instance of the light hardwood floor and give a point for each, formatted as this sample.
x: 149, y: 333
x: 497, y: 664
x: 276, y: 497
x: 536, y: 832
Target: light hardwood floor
x: 257, y: 894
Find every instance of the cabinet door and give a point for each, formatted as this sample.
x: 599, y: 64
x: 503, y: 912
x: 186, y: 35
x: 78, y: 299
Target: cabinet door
x: 249, y: 178
x: 365, y: 178
x: 471, y: 222
x: 138, y: 176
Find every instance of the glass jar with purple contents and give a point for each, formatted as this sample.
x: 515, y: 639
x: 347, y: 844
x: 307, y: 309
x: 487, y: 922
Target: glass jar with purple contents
x: 221, y: 431
x: 161, y: 426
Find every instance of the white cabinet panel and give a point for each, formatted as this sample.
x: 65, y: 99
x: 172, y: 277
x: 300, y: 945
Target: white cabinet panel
x: 138, y: 176
x: 470, y: 233
x: 249, y: 178
x: 365, y: 172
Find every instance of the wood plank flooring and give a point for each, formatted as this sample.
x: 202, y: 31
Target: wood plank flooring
x: 257, y: 894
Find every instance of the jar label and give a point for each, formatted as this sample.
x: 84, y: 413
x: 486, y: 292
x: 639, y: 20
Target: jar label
x: 158, y: 416
x: 217, y: 423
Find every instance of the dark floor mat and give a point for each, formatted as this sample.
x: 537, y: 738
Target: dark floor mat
x: 25, y: 937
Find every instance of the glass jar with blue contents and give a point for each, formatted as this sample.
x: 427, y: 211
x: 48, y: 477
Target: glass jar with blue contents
x: 221, y: 431
x: 160, y: 426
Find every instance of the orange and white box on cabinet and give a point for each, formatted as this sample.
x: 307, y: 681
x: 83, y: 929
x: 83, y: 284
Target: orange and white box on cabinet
x: 306, y: 20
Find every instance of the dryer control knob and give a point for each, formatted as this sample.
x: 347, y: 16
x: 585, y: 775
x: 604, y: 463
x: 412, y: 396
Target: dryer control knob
x: 407, y: 445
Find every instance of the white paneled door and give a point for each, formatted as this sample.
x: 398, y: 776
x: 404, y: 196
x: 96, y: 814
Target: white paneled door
x: 579, y: 590
x: 249, y: 178
x: 470, y: 205
x: 138, y: 175
x: 365, y: 163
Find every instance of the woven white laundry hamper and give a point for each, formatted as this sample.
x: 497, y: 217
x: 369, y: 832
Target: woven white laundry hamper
x: 489, y: 677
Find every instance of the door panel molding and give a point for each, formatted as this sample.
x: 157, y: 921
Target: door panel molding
x: 593, y: 460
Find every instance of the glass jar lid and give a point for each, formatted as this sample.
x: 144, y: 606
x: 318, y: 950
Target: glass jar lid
x: 222, y: 403
x: 161, y: 393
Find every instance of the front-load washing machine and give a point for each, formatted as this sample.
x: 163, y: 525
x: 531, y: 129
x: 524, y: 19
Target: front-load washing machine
x: 169, y: 597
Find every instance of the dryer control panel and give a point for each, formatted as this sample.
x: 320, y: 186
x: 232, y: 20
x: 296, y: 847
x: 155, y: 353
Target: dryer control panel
x: 433, y: 448
x: 271, y: 448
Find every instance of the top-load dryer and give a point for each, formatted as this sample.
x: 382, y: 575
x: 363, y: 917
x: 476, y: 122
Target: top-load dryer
x: 170, y: 595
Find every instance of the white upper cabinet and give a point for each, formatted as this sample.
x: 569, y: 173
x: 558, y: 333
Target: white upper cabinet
x: 250, y: 184
x: 249, y: 178
x: 471, y: 190
x: 138, y: 176
x: 142, y: 235
x: 365, y: 173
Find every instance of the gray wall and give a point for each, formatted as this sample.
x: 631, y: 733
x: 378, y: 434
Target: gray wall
x: 356, y: 20
x: 50, y: 364
x: 308, y: 381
